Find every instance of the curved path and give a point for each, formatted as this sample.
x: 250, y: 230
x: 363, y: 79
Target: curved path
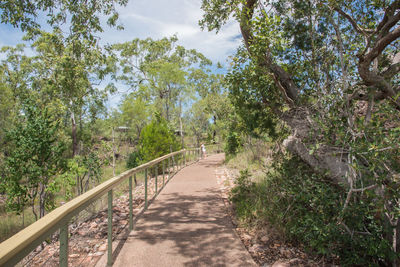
x: 186, y: 225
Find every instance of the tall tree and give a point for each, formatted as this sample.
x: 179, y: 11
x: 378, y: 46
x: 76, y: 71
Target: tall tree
x: 328, y: 70
x: 161, y: 67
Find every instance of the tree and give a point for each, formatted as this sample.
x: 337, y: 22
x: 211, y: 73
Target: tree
x: 135, y: 114
x: 329, y: 71
x: 159, y: 67
x: 157, y: 139
x: 284, y: 55
x: 81, y: 16
x: 34, y: 158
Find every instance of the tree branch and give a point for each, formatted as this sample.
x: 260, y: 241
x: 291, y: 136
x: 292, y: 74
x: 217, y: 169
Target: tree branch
x: 353, y: 22
x: 388, y: 14
x: 285, y: 81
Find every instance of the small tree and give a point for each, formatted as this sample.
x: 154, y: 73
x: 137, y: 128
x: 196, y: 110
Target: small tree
x: 157, y: 139
x: 34, y: 159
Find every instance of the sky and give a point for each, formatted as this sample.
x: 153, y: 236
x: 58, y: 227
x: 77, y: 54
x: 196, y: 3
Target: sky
x: 157, y: 19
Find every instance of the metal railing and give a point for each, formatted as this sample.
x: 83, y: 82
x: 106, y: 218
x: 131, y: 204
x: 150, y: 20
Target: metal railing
x: 21, y: 244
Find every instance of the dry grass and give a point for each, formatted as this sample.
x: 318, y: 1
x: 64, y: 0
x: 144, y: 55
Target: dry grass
x: 255, y: 156
x: 11, y: 223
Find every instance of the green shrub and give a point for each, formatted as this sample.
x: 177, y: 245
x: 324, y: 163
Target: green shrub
x: 232, y: 143
x: 134, y: 159
x: 306, y: 208
x: 157, y: 139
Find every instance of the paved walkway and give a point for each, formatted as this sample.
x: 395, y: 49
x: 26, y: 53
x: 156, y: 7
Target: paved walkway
x: 186, y: 225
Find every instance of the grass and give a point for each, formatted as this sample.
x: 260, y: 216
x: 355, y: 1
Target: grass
x: 11, y: 223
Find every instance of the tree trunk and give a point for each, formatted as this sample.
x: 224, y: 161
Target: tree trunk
x: 74, y: 137
x: 214, y: 131
x: 113, y: 151
x: 327, y: 160
x: 42, y: 200
x: 181, y: 126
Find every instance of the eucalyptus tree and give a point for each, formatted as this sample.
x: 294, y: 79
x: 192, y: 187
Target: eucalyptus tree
x: 329, y: 70
x: 72, y: 48
x: 34, y: 159
x: 161, y: 67
x: 82, y: 17
x: 135, y: 113
x: 212, y: 96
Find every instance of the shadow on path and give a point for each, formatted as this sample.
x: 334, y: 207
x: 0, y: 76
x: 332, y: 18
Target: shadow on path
x: 186, y: 225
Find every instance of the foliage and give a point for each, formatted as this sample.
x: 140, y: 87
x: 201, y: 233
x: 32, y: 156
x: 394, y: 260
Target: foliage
x: 157, y: 139
x: 158, y: 71
x: 135, y: 113
x: 34, y: 157
x: 83, y: 171
x: 232, y: 143
x: 307, y: 208
x: 329, y: 72
x: 82, y: 16
x: 134, y: 159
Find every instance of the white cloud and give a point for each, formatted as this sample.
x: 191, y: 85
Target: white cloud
x: 157, y: 19
x: 160, y: 18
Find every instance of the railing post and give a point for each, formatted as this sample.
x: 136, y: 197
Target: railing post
x: 130, y: 204
x: 169, y: 168
x: 109, y: 233
x: 163, y: 173
x: 173, y: 164
x: 64, y: 245
x: 145, y: 188
x: 156, y: 178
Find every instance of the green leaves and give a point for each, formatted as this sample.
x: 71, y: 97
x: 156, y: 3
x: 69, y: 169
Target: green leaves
x: 157, y: 139
x: 35, y: 157
x: 82, y: 17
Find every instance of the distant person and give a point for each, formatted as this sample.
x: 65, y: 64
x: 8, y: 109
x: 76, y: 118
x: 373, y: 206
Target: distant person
x: 203, y: 151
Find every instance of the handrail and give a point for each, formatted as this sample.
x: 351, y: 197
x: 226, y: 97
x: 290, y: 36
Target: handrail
x: 19, y: 245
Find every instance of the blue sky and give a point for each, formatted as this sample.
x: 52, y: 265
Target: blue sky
x: 157, y: 19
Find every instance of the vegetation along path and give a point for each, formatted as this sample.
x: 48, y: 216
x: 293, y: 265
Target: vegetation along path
x: 186, y: 225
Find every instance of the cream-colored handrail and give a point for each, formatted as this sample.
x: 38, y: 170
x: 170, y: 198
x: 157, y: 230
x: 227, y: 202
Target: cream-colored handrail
x: 18, y: 246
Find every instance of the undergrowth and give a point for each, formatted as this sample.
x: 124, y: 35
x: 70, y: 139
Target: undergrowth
x: 307, y: 209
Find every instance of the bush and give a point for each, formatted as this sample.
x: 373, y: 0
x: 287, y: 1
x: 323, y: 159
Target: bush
x: 308, y: 209
x: 134, y: 159
x: 232, y: 143
x: 156, y: 140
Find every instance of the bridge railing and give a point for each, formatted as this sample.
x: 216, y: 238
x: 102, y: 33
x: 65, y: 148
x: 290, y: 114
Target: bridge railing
x: 21, y: 244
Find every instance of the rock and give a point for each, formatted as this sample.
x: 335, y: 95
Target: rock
x: 264, y: 239
x: 82, y: 232
x: 103, y: 247
x: 74, y: 256
x: 246, y: 237
x: 256, y: 248
x: 280, y: 264
x: 98, y: 236
x: 285, y: 252
x: 98, y: 253
x: 295, y: 262
x: 93, y: 225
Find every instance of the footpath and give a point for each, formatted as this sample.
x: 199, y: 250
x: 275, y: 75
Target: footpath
x: 186, y: 225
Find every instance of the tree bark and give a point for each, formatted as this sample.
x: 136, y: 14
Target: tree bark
x: 74, y: 137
